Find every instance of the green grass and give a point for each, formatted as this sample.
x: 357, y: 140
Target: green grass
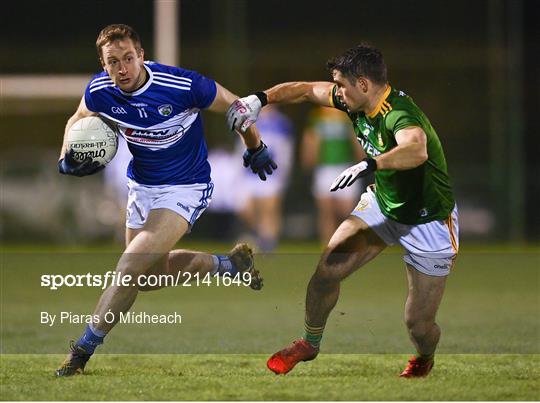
x: 244, y: 377
x: 489, y: 350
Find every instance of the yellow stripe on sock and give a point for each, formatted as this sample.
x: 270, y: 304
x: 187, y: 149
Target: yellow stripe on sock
x: 307, y: 327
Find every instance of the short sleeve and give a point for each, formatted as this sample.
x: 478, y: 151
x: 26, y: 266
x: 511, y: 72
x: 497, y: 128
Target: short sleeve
x: 398, y: 119
x: 88, y: 100
x: 203, y: 90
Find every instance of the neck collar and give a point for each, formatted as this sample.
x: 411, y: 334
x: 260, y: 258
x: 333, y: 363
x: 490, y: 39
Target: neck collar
x: 382, y: 105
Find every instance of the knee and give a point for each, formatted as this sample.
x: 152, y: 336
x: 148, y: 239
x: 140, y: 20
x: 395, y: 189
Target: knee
x: 129, y: 269
x: 135, y: 275
x: 144, y: 280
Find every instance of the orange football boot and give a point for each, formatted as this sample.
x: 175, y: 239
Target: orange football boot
x: 417, y: 367
x: 285, y: 360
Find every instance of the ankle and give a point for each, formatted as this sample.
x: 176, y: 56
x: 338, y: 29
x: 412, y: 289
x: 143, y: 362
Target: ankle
x: 91, y: 339
x: 222, y: 265
x: 313, y: 335
x: 426, y: 357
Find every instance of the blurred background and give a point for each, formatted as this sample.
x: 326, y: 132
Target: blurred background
x: 472, y: 66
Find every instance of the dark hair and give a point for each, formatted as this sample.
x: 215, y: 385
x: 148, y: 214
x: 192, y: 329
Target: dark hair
x: 116, y: 32
x: 360, y: 61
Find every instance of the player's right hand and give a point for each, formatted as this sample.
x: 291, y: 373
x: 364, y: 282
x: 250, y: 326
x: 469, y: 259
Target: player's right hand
x: 244, y: 112
x: 69, y: 166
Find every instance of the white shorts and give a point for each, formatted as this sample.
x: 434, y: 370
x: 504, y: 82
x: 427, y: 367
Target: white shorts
x: 430, y: 248
x: 188, y: 201
x: 323, y: 178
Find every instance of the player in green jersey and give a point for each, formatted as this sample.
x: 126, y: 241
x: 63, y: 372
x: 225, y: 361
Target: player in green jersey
x: 411, y: 203
x: 328, y: 147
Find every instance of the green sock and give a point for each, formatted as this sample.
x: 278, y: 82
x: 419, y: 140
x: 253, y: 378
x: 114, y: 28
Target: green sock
x: 313, y: 335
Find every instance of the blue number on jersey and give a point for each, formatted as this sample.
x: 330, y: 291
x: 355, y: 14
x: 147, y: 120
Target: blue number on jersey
x: 161, y: 122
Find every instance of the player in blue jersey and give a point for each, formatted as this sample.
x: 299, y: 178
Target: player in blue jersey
x: 157, y: 110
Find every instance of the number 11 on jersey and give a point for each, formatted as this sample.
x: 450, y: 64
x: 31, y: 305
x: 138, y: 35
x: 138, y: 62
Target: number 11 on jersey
x: 142, y: 113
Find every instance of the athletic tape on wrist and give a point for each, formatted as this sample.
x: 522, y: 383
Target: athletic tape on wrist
x: 372, y: 164
x: 262, y: 97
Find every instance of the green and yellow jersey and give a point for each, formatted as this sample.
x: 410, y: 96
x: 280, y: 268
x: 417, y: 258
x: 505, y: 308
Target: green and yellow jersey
x: 335, y: 134
x: 413, y: 196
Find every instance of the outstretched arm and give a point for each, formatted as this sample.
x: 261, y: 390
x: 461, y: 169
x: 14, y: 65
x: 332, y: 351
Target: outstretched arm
x: 244, y: 111
x: 317, y: 92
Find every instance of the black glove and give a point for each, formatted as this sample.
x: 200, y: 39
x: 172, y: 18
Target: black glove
x: 259, y: 160
x: 69, y: 166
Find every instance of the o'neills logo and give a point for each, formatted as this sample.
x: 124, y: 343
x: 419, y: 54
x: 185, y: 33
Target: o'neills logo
x: 96, y: 153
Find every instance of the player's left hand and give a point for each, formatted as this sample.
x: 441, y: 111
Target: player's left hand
x: 244, y: 111
x: 350, y: 175
x: 260, y: 161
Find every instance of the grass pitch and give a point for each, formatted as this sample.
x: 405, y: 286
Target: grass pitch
x: 244, y: 377
x: 490, y: 348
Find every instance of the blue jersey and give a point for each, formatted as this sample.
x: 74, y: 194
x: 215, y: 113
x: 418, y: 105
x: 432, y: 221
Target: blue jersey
x: 161, y: 123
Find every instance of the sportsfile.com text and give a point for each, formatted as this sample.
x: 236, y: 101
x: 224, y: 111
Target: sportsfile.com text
x: 113, y: 278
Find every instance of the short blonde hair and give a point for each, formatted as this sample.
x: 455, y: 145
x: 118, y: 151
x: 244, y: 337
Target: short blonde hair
x: 116, y: 32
